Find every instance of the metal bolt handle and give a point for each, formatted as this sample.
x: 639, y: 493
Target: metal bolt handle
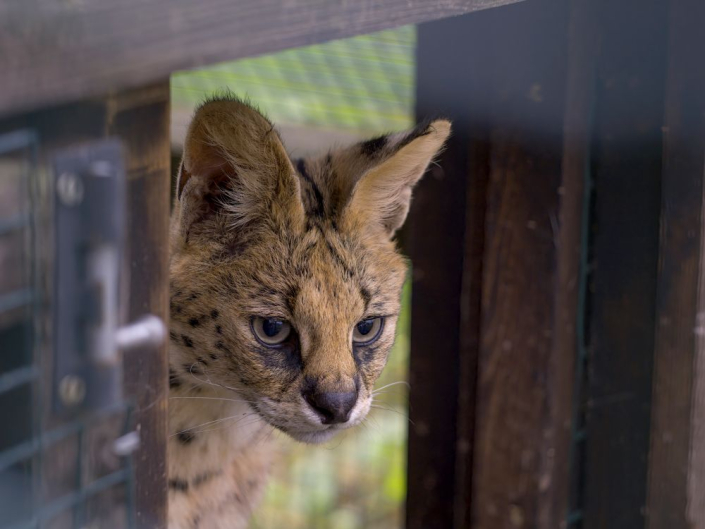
x: 148, y: 331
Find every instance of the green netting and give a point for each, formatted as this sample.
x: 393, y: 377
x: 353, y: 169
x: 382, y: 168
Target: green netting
x: 363, y: 84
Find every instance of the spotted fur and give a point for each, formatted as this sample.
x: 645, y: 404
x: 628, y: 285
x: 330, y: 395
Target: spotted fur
x: 309, y: 241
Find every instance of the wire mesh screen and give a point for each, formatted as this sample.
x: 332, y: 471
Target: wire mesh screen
x: 17, y: 301
x: 318, y: 96
x: 55, y: 472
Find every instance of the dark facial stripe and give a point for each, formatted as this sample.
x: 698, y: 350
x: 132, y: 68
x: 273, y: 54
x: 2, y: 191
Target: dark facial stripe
x: 291, y: 297
x: 339, y: 259
x: 179, y: 485
x: 186, y: 438
x: 366, y: 297
x: 318, y: 206
x: 174, y: 380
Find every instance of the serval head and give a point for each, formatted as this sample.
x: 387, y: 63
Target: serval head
x: 285, y: 278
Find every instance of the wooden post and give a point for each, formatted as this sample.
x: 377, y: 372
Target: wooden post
x: 140, y: 118
x: 676, y: 493
x: 492, y: 362
x: 626, y: 168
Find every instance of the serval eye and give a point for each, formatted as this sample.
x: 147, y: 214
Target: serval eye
x: 270, y: 331
x: 367, y: 331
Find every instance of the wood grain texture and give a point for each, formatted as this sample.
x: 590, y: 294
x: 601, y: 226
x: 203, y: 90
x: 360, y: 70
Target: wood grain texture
x: 676, y: 494
x: 521, y: 467
x: 434, y: 237
x: 53, y: 52
x: 512, y: 363
x: 140, y: 118
x: 626, y: 168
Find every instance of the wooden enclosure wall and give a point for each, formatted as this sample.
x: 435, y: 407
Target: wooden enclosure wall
x: 494, y: 239
x: 554, y: 386
x: 140, y: 118
x: 676, y: 486
x: 566, y: 216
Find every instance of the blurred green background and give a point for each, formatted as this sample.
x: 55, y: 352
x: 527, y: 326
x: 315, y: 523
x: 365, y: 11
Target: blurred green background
x: 319, y: 96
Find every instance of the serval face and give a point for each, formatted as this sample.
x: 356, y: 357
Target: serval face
x: 285, y: 278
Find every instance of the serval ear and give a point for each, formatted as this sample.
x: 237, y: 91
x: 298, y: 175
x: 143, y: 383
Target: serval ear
x: 235, y: 170
x: 395, y: 163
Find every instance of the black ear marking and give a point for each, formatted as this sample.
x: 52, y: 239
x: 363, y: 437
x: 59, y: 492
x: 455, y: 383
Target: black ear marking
x: 373, y: 147
x: 422, y: 129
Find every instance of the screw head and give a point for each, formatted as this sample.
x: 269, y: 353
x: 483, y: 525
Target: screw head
x: 69, y: 187
x: 72, y: 390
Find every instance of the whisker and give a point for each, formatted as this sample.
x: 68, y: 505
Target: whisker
x: 203, y: 424
x: 404, y: 382
x: 229, y: 425
x: 209, y: 381
x: 378, y: 407
x: 214, y: 398
x: 341, y: 438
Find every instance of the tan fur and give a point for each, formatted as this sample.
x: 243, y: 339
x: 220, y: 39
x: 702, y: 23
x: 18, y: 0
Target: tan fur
x: 310, y: 242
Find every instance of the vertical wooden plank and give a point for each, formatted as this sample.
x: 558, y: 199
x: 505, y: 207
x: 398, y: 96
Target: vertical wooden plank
x: 140, y: 118
x: 676, y: 494
x: 518, y: 482
x: 434, y: 240
x: 626, y: 168
x: 512, y: 363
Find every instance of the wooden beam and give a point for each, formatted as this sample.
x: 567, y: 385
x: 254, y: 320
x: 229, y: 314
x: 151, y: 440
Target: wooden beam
x: 504, y: 342
x: 529, y: 279
x: 676, y: 493
x: 626, y: 169
x: 54, y: 52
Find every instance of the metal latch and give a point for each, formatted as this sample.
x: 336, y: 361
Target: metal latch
x: 89, y: 235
